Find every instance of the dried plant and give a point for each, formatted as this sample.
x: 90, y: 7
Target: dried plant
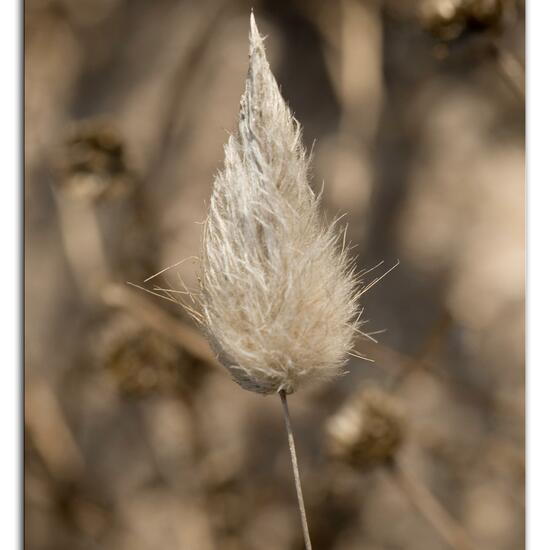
x: 449, y: 20
x: 279, y: 296
x: 141, y: 361
x: 91, y: 164
x: 278, y: 292
x: 368, y: 430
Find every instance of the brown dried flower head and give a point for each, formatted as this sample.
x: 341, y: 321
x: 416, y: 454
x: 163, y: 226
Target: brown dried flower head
x: 447, y: 20
x: 368, y: 430
x: 279, y: 298
x: 91, y: 164
x: 140, y: 360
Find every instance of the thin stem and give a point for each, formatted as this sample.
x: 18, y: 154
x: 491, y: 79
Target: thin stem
x: 294, y: 460
x: 424, y: 501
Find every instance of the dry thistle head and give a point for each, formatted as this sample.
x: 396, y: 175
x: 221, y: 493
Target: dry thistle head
x: 141, y: 361
x: 91, y: 164
x: 449, y: 19
x: 279, y: 298
x: 368, y: 430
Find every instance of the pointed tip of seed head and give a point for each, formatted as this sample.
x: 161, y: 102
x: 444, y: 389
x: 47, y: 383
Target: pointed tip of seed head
x: 256, y: 41
x: 253, y: 26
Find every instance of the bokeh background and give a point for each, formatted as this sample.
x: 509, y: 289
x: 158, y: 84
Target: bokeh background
x: 134, y: 437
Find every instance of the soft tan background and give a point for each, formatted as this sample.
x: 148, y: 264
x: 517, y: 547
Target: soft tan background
x: 134, y: 438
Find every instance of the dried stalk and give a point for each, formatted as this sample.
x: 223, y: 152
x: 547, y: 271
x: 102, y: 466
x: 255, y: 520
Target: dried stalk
x: 51, y: 432
x: 425, y: 502
x: 177, y: 89
x: 512, y: 71
x: 465, y: 390
x: 155, y: 317
x: 296, y: 472
x: 80, y: 231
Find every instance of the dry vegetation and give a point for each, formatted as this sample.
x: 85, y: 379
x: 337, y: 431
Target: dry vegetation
x: 135, y: 437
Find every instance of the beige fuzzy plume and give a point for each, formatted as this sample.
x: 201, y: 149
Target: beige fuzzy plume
x: 278, y: 296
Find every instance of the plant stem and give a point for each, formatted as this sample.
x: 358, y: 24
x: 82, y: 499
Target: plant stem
x: 294, y: 460
x: 424, y: 501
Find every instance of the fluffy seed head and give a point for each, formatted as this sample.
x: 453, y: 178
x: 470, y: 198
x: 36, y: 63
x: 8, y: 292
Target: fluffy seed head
x: 278, y: 293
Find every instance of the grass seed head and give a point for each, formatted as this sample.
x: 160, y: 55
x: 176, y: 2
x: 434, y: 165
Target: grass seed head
x: 278, y: 296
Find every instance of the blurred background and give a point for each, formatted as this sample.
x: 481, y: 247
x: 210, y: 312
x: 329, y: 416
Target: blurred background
x: 134, y: 437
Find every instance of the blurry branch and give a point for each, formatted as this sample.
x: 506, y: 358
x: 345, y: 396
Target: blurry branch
x: 503, y: 454
x: 428, y: 349
x: 353, y: 54
x: 469, y: 392
x: 50, y: 431
x: 506, y: 64
x: 153, y: 316
x: 511, y: 70
x: 424, y: 501
x: 177, y: 86
x: 360, y: 78
x: 497, y: 459
x: 80, y: 231
x: 197, y: 483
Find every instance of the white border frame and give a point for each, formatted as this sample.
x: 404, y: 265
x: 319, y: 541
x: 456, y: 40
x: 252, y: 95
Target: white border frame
x: 538, y: 275
x: 11, y: 273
